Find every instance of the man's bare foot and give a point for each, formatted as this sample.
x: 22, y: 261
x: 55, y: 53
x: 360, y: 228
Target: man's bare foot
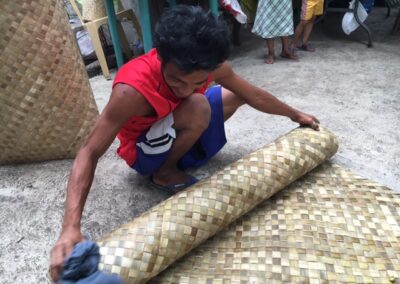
x: 269, y: 59
x: 289, y: 55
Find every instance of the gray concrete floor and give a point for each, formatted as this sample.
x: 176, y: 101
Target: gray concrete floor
x: 354, y: 90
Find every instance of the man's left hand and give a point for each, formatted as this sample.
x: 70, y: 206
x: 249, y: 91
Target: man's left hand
x: 306, y: 120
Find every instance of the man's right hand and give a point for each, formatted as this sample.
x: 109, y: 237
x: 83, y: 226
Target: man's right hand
x: 62, y: 249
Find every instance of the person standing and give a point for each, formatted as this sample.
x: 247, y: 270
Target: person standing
x: 309, y: 10
x: 274, y: 18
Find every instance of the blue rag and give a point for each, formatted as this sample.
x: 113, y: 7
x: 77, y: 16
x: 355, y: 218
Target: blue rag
x: 368, y: 5
x: 81, y: 267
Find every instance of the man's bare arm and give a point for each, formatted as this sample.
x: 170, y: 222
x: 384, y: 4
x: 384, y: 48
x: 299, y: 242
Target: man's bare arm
x: 124, y: 103
x: 259, y: 98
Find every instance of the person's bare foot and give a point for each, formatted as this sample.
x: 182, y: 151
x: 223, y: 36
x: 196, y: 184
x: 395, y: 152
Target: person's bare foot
x: 289, y: 55
x: 269, y: 59
x: 170, y: 176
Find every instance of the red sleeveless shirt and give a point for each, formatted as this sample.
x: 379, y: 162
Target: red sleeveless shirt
x: 144, y: 74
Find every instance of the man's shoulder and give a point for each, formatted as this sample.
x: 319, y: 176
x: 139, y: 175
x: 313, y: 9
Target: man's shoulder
x: 143, y: 70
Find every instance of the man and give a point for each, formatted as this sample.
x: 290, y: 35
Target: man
x: 163, y: 119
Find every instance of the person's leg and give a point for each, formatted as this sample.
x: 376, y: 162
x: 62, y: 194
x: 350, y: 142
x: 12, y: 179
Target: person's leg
x: 297, y: 34
x: 286, y: 52
x: 271, y: 51
x: 307, y: 32
x: 306, y: 12
x: 223, y: 105
x: 189, y: 131
x: 191, y: 118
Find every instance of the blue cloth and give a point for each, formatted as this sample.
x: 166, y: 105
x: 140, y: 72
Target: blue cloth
x: 210, y: 142
x: 368, y: 5
x: 81, y: 267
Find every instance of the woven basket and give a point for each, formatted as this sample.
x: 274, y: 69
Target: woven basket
x: 46, y: 103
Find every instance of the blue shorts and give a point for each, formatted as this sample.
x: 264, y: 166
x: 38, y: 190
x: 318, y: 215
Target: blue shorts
x: 153, y: 147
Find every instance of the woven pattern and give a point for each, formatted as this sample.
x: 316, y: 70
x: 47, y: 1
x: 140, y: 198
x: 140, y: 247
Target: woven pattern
x: 46, y: 104
x: 141, y: 249
x: 330, y: 227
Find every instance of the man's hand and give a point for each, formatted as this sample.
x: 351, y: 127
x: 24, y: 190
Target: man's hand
x: 306, y: 120
x: 62, y: 249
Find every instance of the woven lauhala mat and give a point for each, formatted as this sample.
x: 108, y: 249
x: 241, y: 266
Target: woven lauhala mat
x: 330, y: 227
x: 144, y: 247
x: 46, y: 104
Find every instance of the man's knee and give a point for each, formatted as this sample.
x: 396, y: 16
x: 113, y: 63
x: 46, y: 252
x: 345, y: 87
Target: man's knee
x: 194, y: 113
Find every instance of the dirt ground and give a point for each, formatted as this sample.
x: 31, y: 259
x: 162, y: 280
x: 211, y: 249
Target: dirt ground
x: 352, y: 89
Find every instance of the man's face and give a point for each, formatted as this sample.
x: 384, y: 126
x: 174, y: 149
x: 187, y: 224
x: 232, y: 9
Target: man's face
x: 183, y: 84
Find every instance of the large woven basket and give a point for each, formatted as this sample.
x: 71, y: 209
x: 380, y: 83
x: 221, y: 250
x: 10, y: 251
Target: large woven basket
x: 46, y: 104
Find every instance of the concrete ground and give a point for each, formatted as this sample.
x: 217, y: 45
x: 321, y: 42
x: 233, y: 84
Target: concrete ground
x: 352, y: 89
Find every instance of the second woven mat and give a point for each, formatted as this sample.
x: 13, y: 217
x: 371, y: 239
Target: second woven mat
x: 330, y: 227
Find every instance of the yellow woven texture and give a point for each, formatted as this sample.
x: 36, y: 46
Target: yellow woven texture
x: 143, y: 248
x: 46, y: 104
x: 330, y: 227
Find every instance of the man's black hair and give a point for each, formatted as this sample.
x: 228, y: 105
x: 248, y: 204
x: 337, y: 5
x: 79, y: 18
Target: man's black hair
x: 191, y: 38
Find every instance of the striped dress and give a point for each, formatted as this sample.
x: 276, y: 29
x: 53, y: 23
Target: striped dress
x: 274, y: 18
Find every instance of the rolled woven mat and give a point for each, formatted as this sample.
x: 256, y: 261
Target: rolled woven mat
x: 46, y: 104
x: 146, y: 246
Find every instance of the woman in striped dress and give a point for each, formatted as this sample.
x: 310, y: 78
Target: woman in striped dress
x: 274, y: 18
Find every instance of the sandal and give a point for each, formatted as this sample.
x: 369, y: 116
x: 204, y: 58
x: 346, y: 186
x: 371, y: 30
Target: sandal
x: 174, y: 188
x: 291, y: 55
x: 306, y: 47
